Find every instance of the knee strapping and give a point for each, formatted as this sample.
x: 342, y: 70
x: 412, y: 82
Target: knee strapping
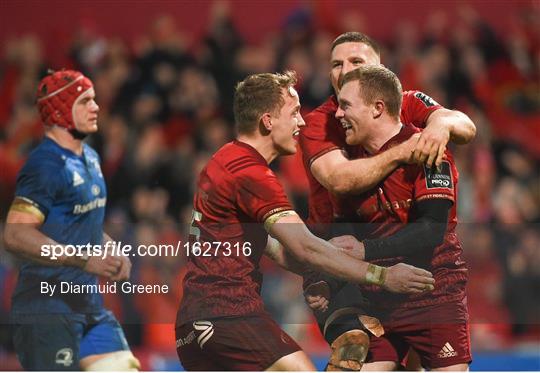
x: 349, y: 351
x: 350, y: 318
x: 348, y: 334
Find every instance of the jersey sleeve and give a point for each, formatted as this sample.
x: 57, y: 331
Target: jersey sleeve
x: 436, y: 183
x: 260, y: 194
x: 320, y: 136
x: 416, y: 108
x: 39, y: 183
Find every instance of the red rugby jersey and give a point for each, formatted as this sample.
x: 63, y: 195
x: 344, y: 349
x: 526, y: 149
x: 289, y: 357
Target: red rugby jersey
x: 385, y: 209
x: 324, y: 133
x: 236, y: 193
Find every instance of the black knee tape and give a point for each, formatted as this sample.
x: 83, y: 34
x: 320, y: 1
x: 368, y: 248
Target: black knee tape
x: 349, y: 296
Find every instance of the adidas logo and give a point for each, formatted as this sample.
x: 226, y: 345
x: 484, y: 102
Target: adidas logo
x: 447, y: 351
x: 208, y: 331
x: 77, y: 179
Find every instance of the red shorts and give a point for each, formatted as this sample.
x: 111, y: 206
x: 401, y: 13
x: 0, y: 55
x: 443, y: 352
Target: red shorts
x: 251, y: 342
x: 440, y: 335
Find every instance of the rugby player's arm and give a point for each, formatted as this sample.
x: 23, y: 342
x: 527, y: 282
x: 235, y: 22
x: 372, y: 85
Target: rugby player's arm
x: 442, y: 125
x: 124, y: 270
x: 340, y: 175
x: 282, y: 257
x: 460, y: 127
x: 418, y: 238
x: 317, y: 253
x: 23, y: 238
x: 309, y: 250
x: 275, y: 251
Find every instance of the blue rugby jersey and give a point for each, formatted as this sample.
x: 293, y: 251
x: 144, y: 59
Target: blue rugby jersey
x: 70, y: 192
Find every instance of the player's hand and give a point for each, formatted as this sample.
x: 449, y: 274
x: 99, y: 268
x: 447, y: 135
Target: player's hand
x: 124, y: 271
x: 351, y: 244
x: 404, y: 278
x: 318, y: 296
x: 108, y: 267
x: 405, y: 150
x: 431, y: 145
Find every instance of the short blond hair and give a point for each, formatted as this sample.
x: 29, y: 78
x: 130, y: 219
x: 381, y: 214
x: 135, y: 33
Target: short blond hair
x: 259, y: 94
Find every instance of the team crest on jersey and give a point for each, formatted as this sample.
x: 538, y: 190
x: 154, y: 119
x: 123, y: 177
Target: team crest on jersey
x: 439, y: 177
x: 428, y: 101
x: 77, y: 179
x: 64, y: 357
x: 95, y: 189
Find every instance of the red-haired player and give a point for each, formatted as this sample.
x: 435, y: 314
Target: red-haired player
x: 333, y: 170
x: 410, y: 217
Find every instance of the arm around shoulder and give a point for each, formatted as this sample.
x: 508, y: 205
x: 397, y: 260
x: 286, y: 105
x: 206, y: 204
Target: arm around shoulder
x: 339, y: 175
x: 461, y: 128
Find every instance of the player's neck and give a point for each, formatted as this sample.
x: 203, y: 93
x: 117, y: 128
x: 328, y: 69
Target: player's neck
x: 65, y: 140
x: 385, y: 131
x: 262, y: 145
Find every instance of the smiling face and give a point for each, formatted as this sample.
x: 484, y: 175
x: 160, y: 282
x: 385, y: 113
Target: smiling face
x: 354, y: 114
x: 285, y: 124
x: 349, y: 56
x: 85, y: 112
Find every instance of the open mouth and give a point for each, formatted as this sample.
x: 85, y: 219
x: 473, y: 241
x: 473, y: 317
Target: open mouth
x: 346, y: 125
x: 296, y: 133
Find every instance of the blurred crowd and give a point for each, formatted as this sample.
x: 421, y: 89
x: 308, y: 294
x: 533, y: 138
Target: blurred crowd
x: 166, y: 105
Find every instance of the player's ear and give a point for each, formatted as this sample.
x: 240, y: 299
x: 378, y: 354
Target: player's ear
x: 266, y: 121
x: 378, y: 109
